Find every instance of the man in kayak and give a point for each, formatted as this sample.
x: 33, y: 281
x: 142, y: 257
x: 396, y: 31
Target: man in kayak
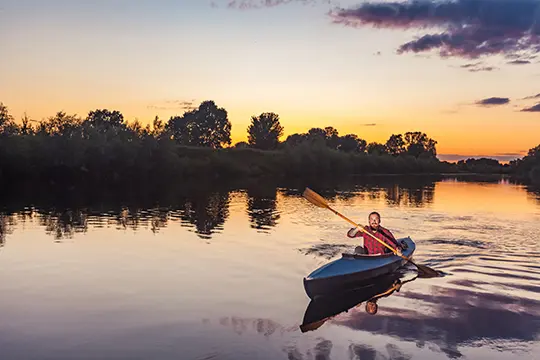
x: 372, y: 246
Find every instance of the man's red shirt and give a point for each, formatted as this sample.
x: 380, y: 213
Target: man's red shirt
x: 370, y: 244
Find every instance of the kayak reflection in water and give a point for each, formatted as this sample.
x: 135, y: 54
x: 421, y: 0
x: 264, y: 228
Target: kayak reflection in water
x: 322, y: 309
x: 372, y: 246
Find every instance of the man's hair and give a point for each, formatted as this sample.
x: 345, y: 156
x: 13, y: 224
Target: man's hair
x: 375, y: 213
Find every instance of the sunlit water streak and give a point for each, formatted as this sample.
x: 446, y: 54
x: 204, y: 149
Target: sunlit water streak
x: 219, y: 276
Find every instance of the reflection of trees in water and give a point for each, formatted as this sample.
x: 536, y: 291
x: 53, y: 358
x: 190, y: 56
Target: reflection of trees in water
x: 417, y: 196
x: 64, y: 223
x: 207, y: 212
x: 410, y: 191
x: 134, y: 218
x: 262, y: 207
x: 6, y: 227
x: 403, y: 190
x: 205, y: 207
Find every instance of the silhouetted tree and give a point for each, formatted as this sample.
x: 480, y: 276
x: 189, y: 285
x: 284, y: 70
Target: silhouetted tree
x: 26, y: 128
x: 529, y: 165
x: 332, y: 137
x: 207, y: 126
x: 375, y: 148
x: 395, y: 145
x: 264, y: 131
x: 418, y: 143
x: 212, y: 126
x: 316, y: 134
x: 105, y: 121
x: 482, y: 165
x: 158, y: 128
x: 351, y: 143
x: 181, y: 130
x: 61, y: 125
x: 295, y: 139
x: 7, y: 124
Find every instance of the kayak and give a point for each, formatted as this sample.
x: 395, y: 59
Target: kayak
x: 352, y: 269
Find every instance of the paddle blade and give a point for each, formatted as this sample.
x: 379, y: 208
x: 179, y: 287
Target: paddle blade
x: 427, y: 272
x: 315, y: 198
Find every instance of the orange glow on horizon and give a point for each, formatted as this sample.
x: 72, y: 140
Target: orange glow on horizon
x: 460, y: 137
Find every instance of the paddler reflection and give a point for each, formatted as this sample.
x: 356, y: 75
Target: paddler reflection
x: 324, y: 308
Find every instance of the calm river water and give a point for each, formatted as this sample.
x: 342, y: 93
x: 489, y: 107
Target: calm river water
x: 218, y: 275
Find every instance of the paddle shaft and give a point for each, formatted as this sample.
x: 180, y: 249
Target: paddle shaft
x: 367, y: 232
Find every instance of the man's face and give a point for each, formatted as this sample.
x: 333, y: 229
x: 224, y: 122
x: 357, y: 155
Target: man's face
x: 374, y: 221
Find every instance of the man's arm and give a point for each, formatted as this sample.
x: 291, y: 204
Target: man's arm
x: 388, y: 235
x: 355, y: 232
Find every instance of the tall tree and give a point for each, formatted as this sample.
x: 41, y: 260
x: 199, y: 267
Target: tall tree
x: 7, y: 124
x: 212, y: 126
x: 418, y: 143
x: 352, y: 143
x: 264, y: 131
x: 395, y: 145
x: 207, y: 125
x: 180, y: 128
x: 61, y: 125
x: 103, y: 119
x: 332, y: 137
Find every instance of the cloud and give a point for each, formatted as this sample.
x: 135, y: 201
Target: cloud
x: 371, y: 124
x: 462, y: 28
x: 470, y: 322
x: 519, y: 62
x: 534, y: 108
x: 259, y: 4
x: 537, y: 96
x: 174, y: 105
x: 476, y: 67
x: 493, y: 101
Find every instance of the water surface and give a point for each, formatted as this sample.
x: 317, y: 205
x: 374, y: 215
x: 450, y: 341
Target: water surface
x: 218, y: 274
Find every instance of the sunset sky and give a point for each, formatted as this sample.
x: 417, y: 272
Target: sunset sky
x: 462, y: 72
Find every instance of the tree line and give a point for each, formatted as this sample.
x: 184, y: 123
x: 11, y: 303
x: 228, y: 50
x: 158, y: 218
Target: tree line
x: 208, y: 126
x: 104, y: 147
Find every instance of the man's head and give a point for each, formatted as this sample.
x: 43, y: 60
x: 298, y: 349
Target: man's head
x: 374, y: 220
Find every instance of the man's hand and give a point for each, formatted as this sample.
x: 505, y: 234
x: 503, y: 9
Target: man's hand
x: 398, y: 252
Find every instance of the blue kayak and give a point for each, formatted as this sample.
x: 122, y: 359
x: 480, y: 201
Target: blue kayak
x: 352, y: 269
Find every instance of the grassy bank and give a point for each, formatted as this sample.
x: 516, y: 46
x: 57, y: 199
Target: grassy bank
x: 67, y: 160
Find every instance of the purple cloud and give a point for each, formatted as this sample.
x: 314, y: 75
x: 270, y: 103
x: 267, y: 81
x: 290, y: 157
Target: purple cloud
x: 534, y: 108
x: 493, y: 101
x: 537, y: 96
x: 463, y: 28
x: 476, y: 67
x: 519, y: 62
x: 258, y: 4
